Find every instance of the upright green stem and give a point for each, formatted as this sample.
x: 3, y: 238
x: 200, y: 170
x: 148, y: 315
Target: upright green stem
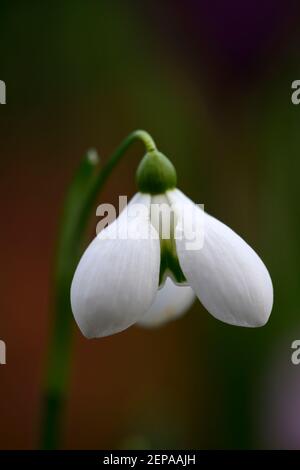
x: 78, y: 205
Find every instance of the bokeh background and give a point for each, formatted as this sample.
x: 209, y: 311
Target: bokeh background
x: 211, y: 81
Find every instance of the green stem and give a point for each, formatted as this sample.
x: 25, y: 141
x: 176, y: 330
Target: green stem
x: 79, y: 203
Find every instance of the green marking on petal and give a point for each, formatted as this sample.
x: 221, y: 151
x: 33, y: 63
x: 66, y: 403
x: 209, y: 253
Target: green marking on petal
x: 169, y: 261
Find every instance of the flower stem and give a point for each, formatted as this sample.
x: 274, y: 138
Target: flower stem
x: 80, y: 199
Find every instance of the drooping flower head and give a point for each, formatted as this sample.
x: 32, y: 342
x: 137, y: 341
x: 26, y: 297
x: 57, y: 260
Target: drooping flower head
x: 163, y: 250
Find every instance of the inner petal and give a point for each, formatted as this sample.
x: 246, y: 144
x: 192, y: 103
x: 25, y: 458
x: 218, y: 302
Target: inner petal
x: 163, y: 219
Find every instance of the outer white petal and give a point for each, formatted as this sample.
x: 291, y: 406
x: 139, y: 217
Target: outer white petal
x: 171, y: 302
x: 227, y: 275
x: 117, y: 279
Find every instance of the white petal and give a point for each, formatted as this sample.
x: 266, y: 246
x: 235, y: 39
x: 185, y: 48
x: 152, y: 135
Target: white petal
x: 116, y: 280
x: 226, y: 274
x: 171, y: 302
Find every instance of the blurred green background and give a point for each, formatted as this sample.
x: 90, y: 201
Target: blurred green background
x: 211, y: 81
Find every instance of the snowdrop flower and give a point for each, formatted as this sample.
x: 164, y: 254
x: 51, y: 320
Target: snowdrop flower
x: 132, y: 274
